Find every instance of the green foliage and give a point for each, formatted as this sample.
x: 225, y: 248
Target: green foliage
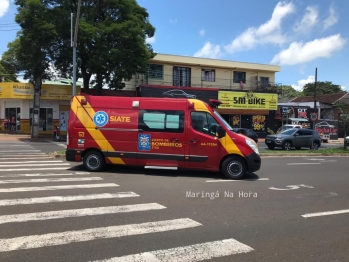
x: 343, y: 120
x: 323, y: 152
x: 289, y: 92
x: 322, y: 88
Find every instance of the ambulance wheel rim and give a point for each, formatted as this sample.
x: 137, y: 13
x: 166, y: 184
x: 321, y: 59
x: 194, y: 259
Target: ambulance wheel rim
x: 93, y: 162
x: 234, y: 168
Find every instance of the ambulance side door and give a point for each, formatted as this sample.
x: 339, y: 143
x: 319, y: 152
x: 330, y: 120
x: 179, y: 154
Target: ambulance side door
x: 204, y: 146
x: 161, y: 138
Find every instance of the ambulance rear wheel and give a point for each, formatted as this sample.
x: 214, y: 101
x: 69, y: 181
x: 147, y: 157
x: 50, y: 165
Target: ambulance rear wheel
x: 234, y: 168
x: 94, y: 161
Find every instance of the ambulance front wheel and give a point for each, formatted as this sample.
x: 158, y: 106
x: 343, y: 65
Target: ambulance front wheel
x: 94, y: 161
x: 234, y: 167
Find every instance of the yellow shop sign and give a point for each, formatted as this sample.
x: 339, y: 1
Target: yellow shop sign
x: 26, y: 91
x: 247, y: 100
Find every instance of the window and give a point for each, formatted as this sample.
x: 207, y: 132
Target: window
x: 204, y: 123
x: 307, y: 132
x: 239, y: 76
x: 156, y: 71
x: 46, y: 119
x: 264, y: 82
x: 208, y: 75
x: 181, y: 76
x: 161, y: 121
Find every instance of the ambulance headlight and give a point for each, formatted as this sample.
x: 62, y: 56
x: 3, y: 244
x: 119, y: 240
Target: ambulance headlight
x: 252, y: 145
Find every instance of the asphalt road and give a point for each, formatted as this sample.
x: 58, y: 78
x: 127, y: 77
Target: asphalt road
x: 170, y: 215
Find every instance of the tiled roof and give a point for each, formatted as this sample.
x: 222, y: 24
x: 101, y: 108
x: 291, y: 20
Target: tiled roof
x: 329, y: 98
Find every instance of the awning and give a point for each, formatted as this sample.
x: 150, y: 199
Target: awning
x: 298, y: 119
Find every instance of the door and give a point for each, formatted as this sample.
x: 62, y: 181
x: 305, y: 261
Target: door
x: 204, y: 147
x: 14, y: 115
x: 299, y: 139
x: 161, y: 139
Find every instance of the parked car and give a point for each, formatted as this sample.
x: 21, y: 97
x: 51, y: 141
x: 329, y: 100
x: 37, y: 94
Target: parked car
x: 347, y: 140
x: 288, y: 126
x: 294, y: 137
x: 247, y: 132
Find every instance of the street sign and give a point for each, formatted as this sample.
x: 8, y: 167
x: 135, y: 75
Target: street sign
x: 313, y: 116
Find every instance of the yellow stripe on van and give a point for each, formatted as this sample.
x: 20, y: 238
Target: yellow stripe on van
x: 199, y: 105
x: 97, y: 135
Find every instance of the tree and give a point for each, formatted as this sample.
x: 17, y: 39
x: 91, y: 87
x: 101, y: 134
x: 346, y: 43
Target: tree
x: 8, y: 66
x: 32, y: 48
x: 343, y: 120
x: 289, y: 92
x: 111, y: 41
x: 322, y: 88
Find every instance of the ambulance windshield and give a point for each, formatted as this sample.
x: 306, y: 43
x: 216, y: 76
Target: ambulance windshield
x: 222, y: 120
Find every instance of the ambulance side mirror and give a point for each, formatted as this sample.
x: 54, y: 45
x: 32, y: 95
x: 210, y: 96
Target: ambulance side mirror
x: 220, y: 132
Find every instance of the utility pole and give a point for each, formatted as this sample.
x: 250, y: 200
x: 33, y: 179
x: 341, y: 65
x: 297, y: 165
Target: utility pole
x: 74, y: 43
x: 315, y: 111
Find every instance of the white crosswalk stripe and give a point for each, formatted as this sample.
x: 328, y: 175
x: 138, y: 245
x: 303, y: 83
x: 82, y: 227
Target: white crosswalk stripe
x: 49, y: 180
x: 78, y: 212
x: 62, y: 238
x: 52, y: 199
x: 28, y: 165
x: 198, y: 252
x: 44, y: 188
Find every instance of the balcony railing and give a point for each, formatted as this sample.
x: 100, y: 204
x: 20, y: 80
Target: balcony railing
x: 190, y: 81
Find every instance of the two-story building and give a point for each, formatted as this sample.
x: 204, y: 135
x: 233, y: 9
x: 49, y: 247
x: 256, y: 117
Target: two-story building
x: 248, y: 90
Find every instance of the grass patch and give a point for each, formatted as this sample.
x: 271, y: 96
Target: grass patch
x: 60, y: 152
x: 323, y: 152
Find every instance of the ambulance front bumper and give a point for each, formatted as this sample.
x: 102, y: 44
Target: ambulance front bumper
x: 253, y: 162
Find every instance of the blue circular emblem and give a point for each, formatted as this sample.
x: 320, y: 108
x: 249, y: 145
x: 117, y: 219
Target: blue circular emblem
x: 100, y: 118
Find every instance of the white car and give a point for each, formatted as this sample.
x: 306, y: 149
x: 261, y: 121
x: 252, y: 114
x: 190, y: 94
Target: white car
x: 347, y: 140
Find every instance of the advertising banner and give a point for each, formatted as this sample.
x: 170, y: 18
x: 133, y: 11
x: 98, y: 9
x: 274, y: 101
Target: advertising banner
x: 327, y: 127
x: 203, y: 94
x: 248, y: 100
x: 26, y: 91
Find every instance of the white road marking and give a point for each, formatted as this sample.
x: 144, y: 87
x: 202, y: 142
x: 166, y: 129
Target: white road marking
x: 43, y: 188
x: 78, y: 212
x: 315, y: 159
x: 61, y: 238
x: 193, y: 253
x: 49, y: 180
x: 16, y: 157
x: 326, y: 213
x: 25, y: 150
x: 291, y: 187
x: 60, y: 164
x: 293, y: 164
x: 22, y: 154
x: 33, y: 169
x: 44, y: 161
x: 10, y: 145
x: 82, y: 173
x: 43, y: 174
x: 257, y: 179
x: 51, y: 199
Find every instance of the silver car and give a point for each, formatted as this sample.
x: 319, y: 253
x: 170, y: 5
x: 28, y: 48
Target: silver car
x: 295, y: 137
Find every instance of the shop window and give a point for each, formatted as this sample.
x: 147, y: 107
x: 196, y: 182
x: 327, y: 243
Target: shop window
x: 14, y: 115
x: 45, y: 120
x: 208, y: 75
x: 258, y: 123
x: 161, y: 121
x: 239, y: 77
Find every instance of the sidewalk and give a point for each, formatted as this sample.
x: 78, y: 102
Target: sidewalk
x: 16, y: 136
x: 339, y: 141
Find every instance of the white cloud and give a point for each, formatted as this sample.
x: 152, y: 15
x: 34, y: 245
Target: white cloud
x: 269, y: 32
x: 173, y: 21
x: 202, y: 32
x: 209, y: 51
x: 150, y: 40
x: 300, y: 53
x: 4, y: 6
x: 331, y: 19
x: 308, y: 21
x: 343, y: 88
x: 303, y: 82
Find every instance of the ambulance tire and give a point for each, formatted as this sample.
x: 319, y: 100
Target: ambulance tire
x: 94, y: 161
x: 234, y: 167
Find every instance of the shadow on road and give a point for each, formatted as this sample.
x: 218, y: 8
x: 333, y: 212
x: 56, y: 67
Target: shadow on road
x: 141, y: 171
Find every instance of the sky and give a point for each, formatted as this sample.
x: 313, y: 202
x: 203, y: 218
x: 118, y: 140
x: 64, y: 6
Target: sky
x: 297, y: 35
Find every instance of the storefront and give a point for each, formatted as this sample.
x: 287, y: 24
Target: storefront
x: 248, y: 109
x: 16, y: 103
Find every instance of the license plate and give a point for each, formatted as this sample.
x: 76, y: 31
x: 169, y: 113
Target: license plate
x: 268, y: 141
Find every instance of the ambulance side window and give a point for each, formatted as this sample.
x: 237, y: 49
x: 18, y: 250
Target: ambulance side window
x: 161, y: 121
x: 203, y: 122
